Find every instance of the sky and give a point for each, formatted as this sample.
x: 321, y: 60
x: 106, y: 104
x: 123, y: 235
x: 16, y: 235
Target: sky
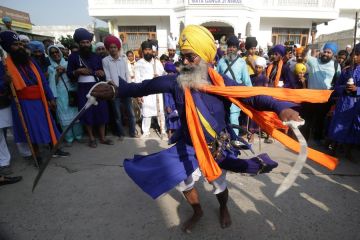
x: 51, y: 12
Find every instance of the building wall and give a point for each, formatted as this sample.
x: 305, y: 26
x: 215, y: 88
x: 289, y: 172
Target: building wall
x: 162, y: 24
x: 58, y: 31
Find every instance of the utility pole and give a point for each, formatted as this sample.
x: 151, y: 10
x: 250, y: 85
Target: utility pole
x: 355, y: 30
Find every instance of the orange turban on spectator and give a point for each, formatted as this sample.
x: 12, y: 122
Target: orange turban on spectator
x: 299, y: 50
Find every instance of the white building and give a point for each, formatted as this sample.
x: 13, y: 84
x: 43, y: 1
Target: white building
x: 59, y: 30
x: 268, y: 20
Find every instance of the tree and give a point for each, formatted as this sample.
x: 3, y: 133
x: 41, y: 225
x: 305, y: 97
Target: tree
x: 67, y: 41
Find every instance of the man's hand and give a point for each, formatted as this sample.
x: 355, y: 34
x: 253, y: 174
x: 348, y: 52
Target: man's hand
x: 99, y: 73
x: 83, y: 71
x: 289, y: 114
x: 60, y: 69
x: 104, y: 91
x: 351, y: 88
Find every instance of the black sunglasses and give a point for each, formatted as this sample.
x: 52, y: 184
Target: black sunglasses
x: 190, y: 57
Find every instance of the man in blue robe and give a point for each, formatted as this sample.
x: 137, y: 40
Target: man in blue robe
x: 85, y: 68
x: 178, y: 166
x: 31, y: 95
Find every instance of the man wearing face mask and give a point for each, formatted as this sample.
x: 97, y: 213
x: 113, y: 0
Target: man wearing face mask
x: 323, y: 72
x: 152, y: 105
x: 233, y: 66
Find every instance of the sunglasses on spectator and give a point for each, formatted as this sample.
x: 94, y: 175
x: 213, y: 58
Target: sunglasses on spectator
x: 190, y: 57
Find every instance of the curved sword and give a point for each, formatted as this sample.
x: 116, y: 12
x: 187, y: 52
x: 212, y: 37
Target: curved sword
x: 91, y: 101
x: 299, y: 164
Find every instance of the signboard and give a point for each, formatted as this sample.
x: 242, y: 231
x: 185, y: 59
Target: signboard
x: 214, y: 2
x: 19, y: 19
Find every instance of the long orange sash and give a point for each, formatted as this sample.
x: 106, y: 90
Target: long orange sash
x: 278, y: 72
x: 19, y: 85
x: 268, y: 121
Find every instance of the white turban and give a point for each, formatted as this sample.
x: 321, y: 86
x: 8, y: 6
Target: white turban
x: 260, y: 61
x: 24, y: 38
x: 99, y: 44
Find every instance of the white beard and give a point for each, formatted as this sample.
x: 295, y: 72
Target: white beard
x: 193, y: 77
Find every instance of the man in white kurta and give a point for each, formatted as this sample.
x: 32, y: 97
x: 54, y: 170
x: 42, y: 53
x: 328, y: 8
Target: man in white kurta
x: 152, y: 105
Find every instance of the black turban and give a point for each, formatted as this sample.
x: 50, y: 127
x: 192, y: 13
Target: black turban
x: 250, y: 42
x: 146, y: 44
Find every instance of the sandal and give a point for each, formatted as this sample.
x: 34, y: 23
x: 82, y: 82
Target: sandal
x: 92, y: 143
x: 107, y: 142
x: 9, y: 180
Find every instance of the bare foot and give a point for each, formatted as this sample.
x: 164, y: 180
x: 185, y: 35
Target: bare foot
x: 225, y: 219
x: 190, y: 223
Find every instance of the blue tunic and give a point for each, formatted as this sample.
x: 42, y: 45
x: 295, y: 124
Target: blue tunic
x: 345, y: 124
x: 96, y: 115
x: 159, y: 172
x: 33, y: 111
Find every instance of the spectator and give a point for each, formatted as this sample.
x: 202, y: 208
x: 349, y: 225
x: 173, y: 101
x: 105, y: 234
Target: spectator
x: 131, y: 64
x: 345, y: 124
x: 34, y: 95
x: 38, y: 55
x: 323, y: 71
x: 115, y: 67
x: 85, y: 67
x: 64, y: 92
x: 100, y: 49
x: 152, y: 105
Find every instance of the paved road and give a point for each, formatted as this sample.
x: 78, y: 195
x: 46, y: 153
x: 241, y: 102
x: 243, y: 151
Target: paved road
x: 89, y: 196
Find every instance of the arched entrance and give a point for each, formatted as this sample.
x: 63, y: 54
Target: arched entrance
x: 219, y: 29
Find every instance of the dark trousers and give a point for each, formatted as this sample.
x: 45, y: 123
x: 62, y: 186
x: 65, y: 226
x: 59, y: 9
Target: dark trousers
x: 314, y: 115
x: 116, y: 104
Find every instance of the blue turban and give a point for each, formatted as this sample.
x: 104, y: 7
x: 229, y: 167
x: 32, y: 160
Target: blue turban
x: 279, y: 49
x: 170, y: 67
x: 233, y: 41
x: 36, y: 45
x: 82, y: 34
x: 332, y: 46
x: 7, y: 38
x: 6, y: 19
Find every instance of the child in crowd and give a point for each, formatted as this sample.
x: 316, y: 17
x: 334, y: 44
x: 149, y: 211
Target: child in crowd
x: 258, y: 79
x: 300, y: 71
x: 171, y: 114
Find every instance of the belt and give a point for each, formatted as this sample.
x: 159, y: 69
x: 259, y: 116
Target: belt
x: 221, y: 143
x: 29, y: 93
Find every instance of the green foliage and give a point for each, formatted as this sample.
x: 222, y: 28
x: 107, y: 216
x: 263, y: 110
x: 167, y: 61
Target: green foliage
x: 67, y: 41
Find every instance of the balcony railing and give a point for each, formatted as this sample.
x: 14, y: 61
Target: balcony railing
x: 300, y: 3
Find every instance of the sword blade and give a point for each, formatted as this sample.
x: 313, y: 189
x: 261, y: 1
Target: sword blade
x: 299, y: 164
x: 57, y: 145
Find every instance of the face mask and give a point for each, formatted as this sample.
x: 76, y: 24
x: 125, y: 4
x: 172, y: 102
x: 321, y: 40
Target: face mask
x: 148, y: 56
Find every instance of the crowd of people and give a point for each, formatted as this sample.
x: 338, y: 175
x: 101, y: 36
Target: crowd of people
x: 51, y: 82
x: 43, y: 85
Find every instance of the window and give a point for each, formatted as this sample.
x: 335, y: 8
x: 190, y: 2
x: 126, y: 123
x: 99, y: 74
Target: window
x: 298, y: 35
x: 135, y: 35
